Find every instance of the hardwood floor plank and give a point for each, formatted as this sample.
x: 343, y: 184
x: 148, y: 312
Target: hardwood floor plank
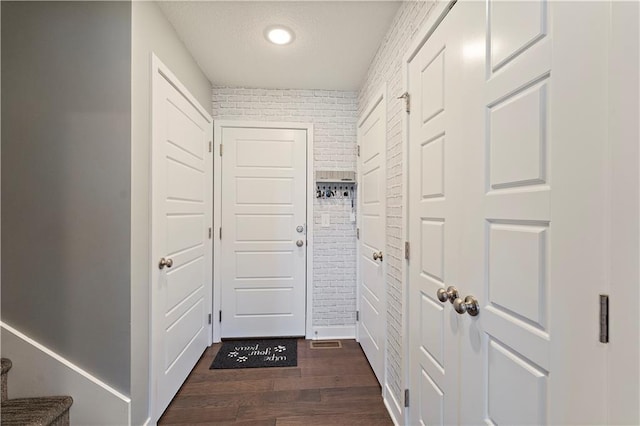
x: 233, y: 375
x: 353, y: 370
x: 203, y: 415
x: 351, y: 394
x: 326, y: 382
x: 214, y: 387
x: 246, y: 398
x: 337, y: 420
x: 280, y: 410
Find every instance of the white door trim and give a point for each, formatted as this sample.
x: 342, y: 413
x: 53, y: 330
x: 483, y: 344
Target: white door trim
x: 379, y: 98
x: 160, y: 70
x: 218, y: 125
x: 436, y: 15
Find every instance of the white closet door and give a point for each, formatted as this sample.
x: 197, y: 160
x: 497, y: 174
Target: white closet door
x: 372, y: 133
x: 507, y: 195
x: 441, y: 82
x: 536, y: 257
x: 182, y: 179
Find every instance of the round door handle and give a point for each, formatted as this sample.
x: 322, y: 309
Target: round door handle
x: 299, y: 243
x: 299, y: 228
x: 450, y: 294
x: 469, y: 305
x: 377, y: 255
x: 165, y: 262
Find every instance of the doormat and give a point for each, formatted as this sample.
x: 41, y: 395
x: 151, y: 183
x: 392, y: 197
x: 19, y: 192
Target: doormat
x: 257, y: 354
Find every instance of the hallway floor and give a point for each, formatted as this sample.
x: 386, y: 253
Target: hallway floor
x: 328, y: 387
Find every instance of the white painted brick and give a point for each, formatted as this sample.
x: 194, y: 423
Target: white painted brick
x: 333, y: 114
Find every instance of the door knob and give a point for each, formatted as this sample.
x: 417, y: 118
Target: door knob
x: 165, y: 262
x: 469, y: 305
x: 450, y: 294
x: 299, y: 243
x: 377, y: 255
x: 299, y: 228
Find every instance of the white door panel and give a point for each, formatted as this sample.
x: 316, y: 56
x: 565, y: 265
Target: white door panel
x: 181, y: 217
x: 371, y: 288
x: 505, y: 188
x: 263, y: 201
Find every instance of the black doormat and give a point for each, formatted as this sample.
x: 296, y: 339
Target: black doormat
x: 257, y: 354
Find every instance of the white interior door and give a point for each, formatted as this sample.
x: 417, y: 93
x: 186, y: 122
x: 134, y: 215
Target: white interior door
x: 438, y: 132
x: 181, y: 249
x: 372, y: 188
x: 263, y: 245
x: 507, y: 195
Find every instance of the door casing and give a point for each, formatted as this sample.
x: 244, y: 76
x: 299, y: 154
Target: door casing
x: 218, y: 125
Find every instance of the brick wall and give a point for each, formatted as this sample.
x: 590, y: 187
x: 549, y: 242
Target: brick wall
x: 334, y: 115
x: 387, y: 67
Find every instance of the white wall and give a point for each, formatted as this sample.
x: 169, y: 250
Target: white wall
x: 387, y: 68
x: 333, y: 114
x: 151, y: 32
x: 65, y: 187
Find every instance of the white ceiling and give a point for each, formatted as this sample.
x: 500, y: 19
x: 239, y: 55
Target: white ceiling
x: 335, y: 41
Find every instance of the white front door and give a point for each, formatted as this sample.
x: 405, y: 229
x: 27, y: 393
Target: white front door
x: 507, y: 203
x: 182, y: 173
x: 263, y: 244
x: 372, y: 133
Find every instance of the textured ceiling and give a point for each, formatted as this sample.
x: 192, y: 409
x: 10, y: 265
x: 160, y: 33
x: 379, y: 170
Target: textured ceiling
x: 335, y: 41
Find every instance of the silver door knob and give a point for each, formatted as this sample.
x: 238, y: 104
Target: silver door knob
x: 469, y: 305
x: 377, y: 255
x: 165, y: 262
x: 299, y: 243
x: 450, y: 294
x: 299, y: 228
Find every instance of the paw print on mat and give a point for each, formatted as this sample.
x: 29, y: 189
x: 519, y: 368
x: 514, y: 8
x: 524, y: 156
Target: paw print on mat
x: 232, y: 354
x: 241, y: 359
x: 280, y: 348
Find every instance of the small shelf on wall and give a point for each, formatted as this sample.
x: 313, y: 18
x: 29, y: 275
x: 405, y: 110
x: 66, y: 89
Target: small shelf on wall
x: 336, y: 176
x: 336, y: 184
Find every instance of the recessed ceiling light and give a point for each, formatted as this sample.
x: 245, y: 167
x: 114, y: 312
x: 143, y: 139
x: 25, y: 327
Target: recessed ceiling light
x: 279, y: 35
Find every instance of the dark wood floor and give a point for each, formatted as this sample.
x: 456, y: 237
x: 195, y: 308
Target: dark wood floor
x: 328, y: 387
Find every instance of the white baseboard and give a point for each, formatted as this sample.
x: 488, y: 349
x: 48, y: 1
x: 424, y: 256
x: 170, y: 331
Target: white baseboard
x: 333, y: 332
x: 393, y: 406
x: 38, y: 371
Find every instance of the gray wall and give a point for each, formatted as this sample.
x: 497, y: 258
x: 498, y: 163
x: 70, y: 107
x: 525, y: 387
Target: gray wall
x: 151, y: 32
x: 66, y: 154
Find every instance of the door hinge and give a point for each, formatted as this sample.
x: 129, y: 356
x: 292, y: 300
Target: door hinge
x: 604, y: 318
x: 407, y: 101
x: 220, y: 233
x: 357, y: 315
x: 406, y: 397
x: 358, y: 150
x: 220, y: 150
x: 220, y: 315
x: 210, y: 146
x: 210, y: 233
x: 358, y: 233
x: 407, y: 250
x: 209, y: 318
